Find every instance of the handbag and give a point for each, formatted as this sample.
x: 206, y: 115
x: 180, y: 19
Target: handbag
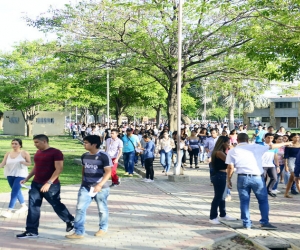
x: 136, y: 153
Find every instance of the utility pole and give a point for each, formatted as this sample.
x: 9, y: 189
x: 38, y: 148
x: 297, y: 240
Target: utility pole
x: 177, y: 169
x: 107, y: 95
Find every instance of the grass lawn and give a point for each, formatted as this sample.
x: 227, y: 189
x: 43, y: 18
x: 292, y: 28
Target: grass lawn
x: 71, y: 149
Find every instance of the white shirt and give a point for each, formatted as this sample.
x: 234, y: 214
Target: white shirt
x: 247, y: 158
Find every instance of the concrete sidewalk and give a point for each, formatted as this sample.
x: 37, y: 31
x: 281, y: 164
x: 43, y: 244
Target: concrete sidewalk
x: 159, y: 215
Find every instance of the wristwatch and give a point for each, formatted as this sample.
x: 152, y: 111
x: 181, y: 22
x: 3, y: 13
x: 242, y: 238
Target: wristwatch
x: 50, y: 182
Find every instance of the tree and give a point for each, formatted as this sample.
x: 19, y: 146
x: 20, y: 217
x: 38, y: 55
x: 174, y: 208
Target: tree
x: 147, y: 34
x: 26, y: 79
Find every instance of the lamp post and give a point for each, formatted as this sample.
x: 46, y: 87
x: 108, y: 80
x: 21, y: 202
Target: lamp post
x: 178, y: 167
x: 107, y: 95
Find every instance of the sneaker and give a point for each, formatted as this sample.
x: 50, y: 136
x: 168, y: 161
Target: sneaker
x: 22, y: 209
x: 272, y: 194
x: 126, y: 173
x: 27, y: 235
x: 100, y: 233
x: 119, y: 181
x: 191, y: 166
x: 144, y: 179
x: 149, y: 180
x: 130, y: 175
x: 247, y: 228
x: 74, y: 236
x: 214, y: 221
x: 163, y: 171
x: 70, y: 226
x: 112, y: 185
x: 275, y: 191
x: 135, y: 164
x: 294, y: 192
x: 228, y: 197
x: 6, y: 214
x: 227, y: 217
x: 267, y: 227
x: 196, y: 166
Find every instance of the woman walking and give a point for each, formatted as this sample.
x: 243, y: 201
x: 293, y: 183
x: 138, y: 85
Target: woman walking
x: 149, y: 158
x: 193, y: 144
x: 290, y: 153
x: 16, y: 165
x: 165, y: 149
x: 218, y: 179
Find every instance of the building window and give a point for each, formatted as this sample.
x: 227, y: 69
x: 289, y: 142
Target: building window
x: 14, y: 119
x: 292, y: 123
x: 283, y: 105
x: 44, y: 120
x: 283, y: 119
x: 265, y: 119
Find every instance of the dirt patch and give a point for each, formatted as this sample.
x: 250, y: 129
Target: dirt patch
x: 235, y: 243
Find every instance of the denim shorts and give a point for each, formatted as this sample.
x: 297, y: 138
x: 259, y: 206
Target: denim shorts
x: 291, y: 164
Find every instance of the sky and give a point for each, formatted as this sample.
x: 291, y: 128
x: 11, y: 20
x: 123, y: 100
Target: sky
x: 14, y: 29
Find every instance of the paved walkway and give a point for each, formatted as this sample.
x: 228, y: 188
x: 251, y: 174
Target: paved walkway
x: 144, y: 216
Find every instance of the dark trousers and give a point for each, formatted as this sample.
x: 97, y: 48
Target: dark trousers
x: 219, y: 181
x: 184, y: 157
x: 35, y: 202
x: 194, y: 154
x: 149, y: 168
x: 272, y: 173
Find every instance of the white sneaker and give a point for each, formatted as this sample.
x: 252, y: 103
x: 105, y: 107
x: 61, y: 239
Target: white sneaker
x: 214, y: 221
x: 228, y: 197
x: 6, y: 214
x: 276, y: 191
x: 21, y: 210
x: 227, y: 217
x: 144, y: 179
x: 149, y: 180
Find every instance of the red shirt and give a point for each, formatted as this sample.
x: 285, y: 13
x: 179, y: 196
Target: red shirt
x: 44, y: 164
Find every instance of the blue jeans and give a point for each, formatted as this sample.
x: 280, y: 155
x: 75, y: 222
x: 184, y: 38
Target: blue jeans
x: 278, y: 177
x: 181, y: 155
x: 16, y: 194
x: 83, y: 202
x: 142, y: 159
x: 219, y: 181
x: 257, y: 184
x: 202, y: 154
x: 74, y: 135
x: 35, y: 202
x: 165, y: 160
x: 128, y: 158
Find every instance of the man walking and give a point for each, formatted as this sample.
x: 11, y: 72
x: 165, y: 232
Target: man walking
x: 113, y: 148
x: 96, y: 172
x: 247, y: 159
x: 48, y: 164
x: 209, y: 147
x: 130, y: 142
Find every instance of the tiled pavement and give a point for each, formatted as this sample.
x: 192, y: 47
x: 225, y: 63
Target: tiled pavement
x: 159, y: 215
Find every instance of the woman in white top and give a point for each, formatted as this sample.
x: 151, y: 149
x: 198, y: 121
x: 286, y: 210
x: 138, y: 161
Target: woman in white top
x: 166, y: 144
x: 16, y: 165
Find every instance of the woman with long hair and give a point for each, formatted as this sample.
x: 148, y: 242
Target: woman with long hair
x: 218, y: 179
x: 202, y: 137
x: 193, y: 144
x: 290, y: 153
x: 16, y: 164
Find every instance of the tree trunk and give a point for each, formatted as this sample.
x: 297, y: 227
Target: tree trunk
x: 172, y: 106
x: 29, y: 128
x: 158, y: 115
x: 231, y: 114
x: 119, y: 120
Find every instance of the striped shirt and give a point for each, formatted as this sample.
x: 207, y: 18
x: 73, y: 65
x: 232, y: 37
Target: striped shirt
x: 94, y: 168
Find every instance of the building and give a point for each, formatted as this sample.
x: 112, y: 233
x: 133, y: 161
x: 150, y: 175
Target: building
x: 46, y: 122
x: 282, y: 111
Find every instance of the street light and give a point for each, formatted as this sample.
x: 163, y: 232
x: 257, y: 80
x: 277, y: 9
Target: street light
x: 107, y: 95
x: 178, y: 167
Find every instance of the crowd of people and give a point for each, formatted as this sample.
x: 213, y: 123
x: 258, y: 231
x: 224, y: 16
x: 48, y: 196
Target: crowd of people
x: 272, y: 157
